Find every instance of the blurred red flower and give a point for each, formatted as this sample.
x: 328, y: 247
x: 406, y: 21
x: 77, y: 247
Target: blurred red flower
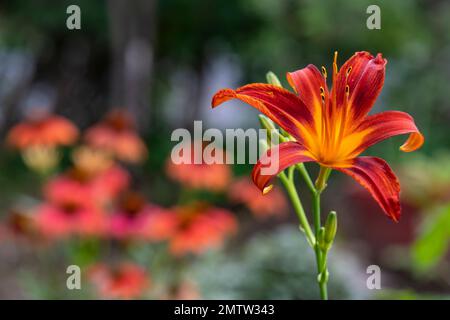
x: 116, y: 134
x: 47, y: 130
x: 125, y: 281
x: 98, y: 188
x: 215, y: 176
x: 71, y: 213
x: 108, y: 184
x: 262, y: 206
x: 162, y: 224
x: 137, y: 219
x: 200, y: 228
x: 75, y: 202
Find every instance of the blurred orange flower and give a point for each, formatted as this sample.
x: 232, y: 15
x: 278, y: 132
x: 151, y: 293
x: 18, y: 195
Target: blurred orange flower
x: 125, y: 281
x: 91, y: 160
x: 49, y: 130
x: 38, y: 137
x: 215, y: 177
x: 200, y: 228
x: 262, y: 206
x: 116, y: 134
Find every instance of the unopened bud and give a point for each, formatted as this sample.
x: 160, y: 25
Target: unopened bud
x: 330, y: 228
x: 266, y: 123
x: 321, y: 239
x: 263, y: 146
x: 272, y: 133
x: 273, y: 79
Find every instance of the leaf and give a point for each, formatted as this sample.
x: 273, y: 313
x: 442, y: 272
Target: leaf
x: 433, y: 242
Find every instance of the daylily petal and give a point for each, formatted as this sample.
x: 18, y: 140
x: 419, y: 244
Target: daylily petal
x: 364, y: 76
x: 280, y: 105
x: 311, y: 87
x: 276, y: 160
x: 381, y: 126
x: 377, y: 177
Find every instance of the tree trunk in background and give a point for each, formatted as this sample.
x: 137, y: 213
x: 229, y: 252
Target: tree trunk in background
x: 132, y: 29
x: 197, y: 86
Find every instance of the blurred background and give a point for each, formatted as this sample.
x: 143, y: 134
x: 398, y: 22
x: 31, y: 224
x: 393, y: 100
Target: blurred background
x: 85, y: 177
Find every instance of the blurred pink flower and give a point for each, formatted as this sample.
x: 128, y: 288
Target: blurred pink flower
x: 125, y: 281
x: 262, y: 206
x: 99, y: 188
x: 70, y: 214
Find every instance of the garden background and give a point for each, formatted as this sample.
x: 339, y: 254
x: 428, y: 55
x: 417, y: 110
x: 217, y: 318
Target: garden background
x: 137, y: 70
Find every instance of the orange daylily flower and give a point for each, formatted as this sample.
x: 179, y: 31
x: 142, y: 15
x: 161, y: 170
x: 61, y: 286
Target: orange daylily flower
x: 332, y: 127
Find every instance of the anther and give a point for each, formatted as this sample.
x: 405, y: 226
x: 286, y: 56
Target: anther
x: 335, y: 68
x: 322, y: 94
x: 324, y: 72
x: 349, y: 70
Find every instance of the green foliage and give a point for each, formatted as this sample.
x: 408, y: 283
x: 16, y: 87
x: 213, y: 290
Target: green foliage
x: 279, y: 265
x: 434, y: 240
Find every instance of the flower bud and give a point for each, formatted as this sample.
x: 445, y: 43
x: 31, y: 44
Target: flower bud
x: 273, y: 79
x: 273, y: 135
x: 263, y: 146
x: 330, y: 228
x: 266, y: 123
x: 321, y: 239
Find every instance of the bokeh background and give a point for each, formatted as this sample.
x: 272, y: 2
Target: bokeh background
x: 103, y: 195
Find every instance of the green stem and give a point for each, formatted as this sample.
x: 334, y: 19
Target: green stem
x: 293, y: 195
x: 304, y: 173
x: 321, y: 182
x: 320, y: 256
